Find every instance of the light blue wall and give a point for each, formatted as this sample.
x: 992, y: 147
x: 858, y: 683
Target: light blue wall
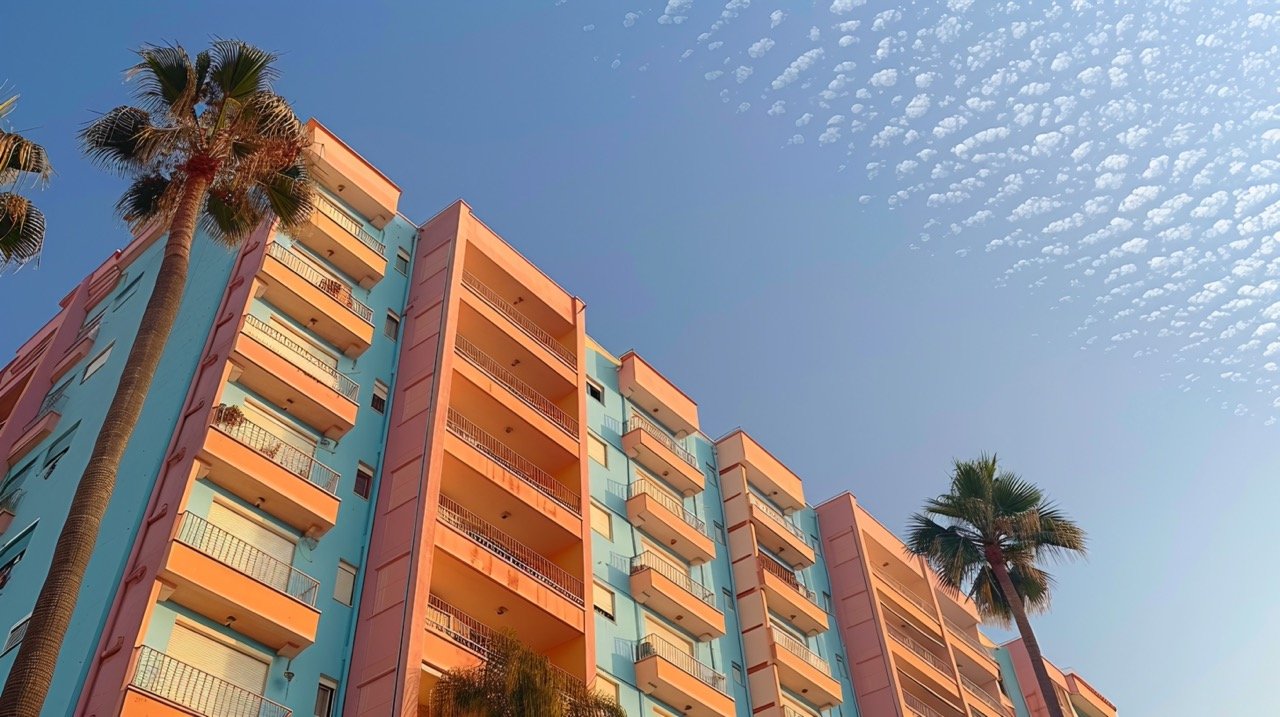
x: 1010, y: 680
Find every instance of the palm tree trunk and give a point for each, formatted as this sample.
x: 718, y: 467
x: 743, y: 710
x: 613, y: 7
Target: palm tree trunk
x: 998, y: 566
x: 32, y: 672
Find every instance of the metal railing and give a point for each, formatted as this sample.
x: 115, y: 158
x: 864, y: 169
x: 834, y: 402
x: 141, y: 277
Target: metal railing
x: 470, y: 633
x: 340, y: 217
x: 651, y: 645
x: 180, y: 683
x: 10, y: 500
x: 789, y: 711
x: 275, y: 448
x: 906, y: 592
x: 526, y: 324
x: 649, y: 560
x: 526, y: 393
x: 919, y: 650
x: 319, y: 369
x: 638, y: 421
x: 983, y: 695
x: 774, y: 514
x: 498, y: 452
x: 237, y: 553
x: 53, y: 401
x: 644, y: 486
x: 335, y: 288
x: 918, y: 706
x: 972, y: 641
x: 789, y: 643
x: 788, y: 576
x: 519, y: 555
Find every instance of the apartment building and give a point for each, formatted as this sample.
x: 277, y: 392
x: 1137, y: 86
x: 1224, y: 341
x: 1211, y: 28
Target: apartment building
x: 1075, y: 696
x: 373, y: 443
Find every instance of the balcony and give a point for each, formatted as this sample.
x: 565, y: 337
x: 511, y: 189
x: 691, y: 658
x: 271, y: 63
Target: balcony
x: 985, y: 697
x: 668, y: 674
x: 657, y: 396
x: 672, y: 593
x: 227, y: 579
x: 1087, y: 700
x: 910, y: 601
x: 342, y: 239
x: 40, y: 427
x: 969, y: 648
x: 917, y: 707
x: 294, y: 377
x: 322, y: 303
x: 925, y: 665
x: 645, y: 442
x: 543, y: 411
x: 780, y: 535
x: 348, y: 175
x: 657, y: 513
x: 160, y: 684
x: 787, y: 597
x: 802, y: 671
x: 765, y: 472
x: 539, y: 341
x: 462, y: 640
x: 262, y: 469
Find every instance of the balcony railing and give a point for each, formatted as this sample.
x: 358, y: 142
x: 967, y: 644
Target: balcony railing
x: 919, y: 650
x: 328, y: 208
x: 776, y: 516
x: 789, y: 643
x: 335, y: 288
x: 648, y: 560
x: 526, y: 324
x: 519, y: 555
x: 785, y: 574
x: 906, y: 592
x: 644, y: 424
x: 983, y: 695
x: 918, y: 707
x: 522, y: 390
x: 469, y: 632
x: 498, y: 452
x: 53, y: 401
x: 651, y: 645
x: 972, y: 641
x: 234, y: 552
x: 275, y: 449
x: 644, y: 486
x: 198, y: 691
x: 789, y: 711
x: 302, y: 357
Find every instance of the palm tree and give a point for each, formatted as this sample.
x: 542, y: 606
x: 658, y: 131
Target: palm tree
x: 991, y: 532
x: 21, y: 224
x: 210, y: 146
x: 515, y: 681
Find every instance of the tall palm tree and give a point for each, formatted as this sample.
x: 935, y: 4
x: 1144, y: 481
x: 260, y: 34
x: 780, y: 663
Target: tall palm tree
x: 209, y: 145
x: 515, y: 681
x: 987, y: 537
x: 21, y: 223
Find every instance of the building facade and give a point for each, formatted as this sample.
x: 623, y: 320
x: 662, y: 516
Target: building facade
x: 370, y: 444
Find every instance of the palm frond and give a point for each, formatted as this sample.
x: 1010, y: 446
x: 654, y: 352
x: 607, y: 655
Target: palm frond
x: 168, y: 82
x: 149, y: 198
x: 20, y: 156
x: 114, y: 140
x: 239, y: 70
x: 7, y: 105
x: 290, y: 194
x: 230, y: 215
x: 22, y: 230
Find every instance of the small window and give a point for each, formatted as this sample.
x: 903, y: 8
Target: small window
x: 379, y: 400
x: 737, y: 673
x: 601, y: 521
x: 602, y: 600
x: 6, y: 570
x: 719, y: 532
x: 826, y: 601
x: 364, y: 481
x: 344, y: 586
x: 392, y: 327
x: 402, y: 261
x: 326, y: 695
x: 597, y: 450
x: 128, y: 291
x: 595, y: 391
x: 729, y: 602
x: 16, y: 633
x: 608, y: 687
x: 57, y: 450
x: 98, y: 362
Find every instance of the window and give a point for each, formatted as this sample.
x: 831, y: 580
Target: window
x: 719, y: 532
x: 326, y: 695
x: 16, y: 633
x: 57, y: 450
x: 737, y: 674
x: 219, y: 655
x: 826, y: 601
x: 595, y: 391
x: 344, y: 585
x: 18, y: 478
x: 608, y: 687
x: 597, y: 450
x: 402, y: 261
x: 364, y: 481
x: 126, y: 292
x: 601, y: 521
x: 379, y: 400
x: 98, y: 362
x: 6, y: 570
x: 602, y: 600
x: 729, y: 602
x: 392, y: 327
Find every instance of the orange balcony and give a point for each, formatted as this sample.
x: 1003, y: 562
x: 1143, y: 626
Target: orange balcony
x: 533, y: 406
x: 164, y: 687
x: 926, y: 665
x: 345, y: 173
x: 342, y: 239
x: 295, y: 378
x: 988, y: 696
x: 41, y: 426
x: 1086, y: 699
x: 262, y: 469
x: 232, y: 582
x: 905, y: 599
x: 780, y: 535
x: 670, y: 592
x: 657, y: 396
x: 765, y: 472
x: 660, y: 515
x: 322, y: 303
x: 920, y: 701
x: 660, y: 453
x: 969, y: 646
x: 668, y: 674
x: 787, y: 597
x: 800, y: 669
x: 490, y: 305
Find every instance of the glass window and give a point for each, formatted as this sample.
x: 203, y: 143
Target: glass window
x: 98, y: 362
x: 379, y: 400
x: 608, y: 686
x: 402, y: 261
x: 364, y: 481
x: 344, y: 586
x: 326, y: 694
x: 392, y: 327
x: 595, y: 391
x: 602, y: 600
x: 597, y: 450
x: 601, y: 521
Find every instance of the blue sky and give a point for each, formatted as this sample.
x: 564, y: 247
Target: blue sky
x: 1041, y: 231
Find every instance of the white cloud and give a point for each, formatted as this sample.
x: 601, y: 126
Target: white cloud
x: 775, y: 18
x: 917, y: 107
x: 1138, y: 197
x: 760, y: 47
x: 797, y: 66
x: 778, y: 108
x: 804, y: 119
x: 674, y: 14
x: 884, y: 78
x: 844, y: 7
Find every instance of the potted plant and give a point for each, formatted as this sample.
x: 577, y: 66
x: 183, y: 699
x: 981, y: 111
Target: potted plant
x: 228, y: 416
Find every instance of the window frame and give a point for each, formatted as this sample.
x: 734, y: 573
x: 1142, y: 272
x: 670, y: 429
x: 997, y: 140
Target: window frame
x: 363, y: 469
x: 97, y: 362
x: 354, y: 571
x: 381, y: 391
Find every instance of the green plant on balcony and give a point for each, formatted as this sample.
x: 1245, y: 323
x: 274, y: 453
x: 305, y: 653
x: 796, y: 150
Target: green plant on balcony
x: 334, y: 288
x: 229, y: 416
